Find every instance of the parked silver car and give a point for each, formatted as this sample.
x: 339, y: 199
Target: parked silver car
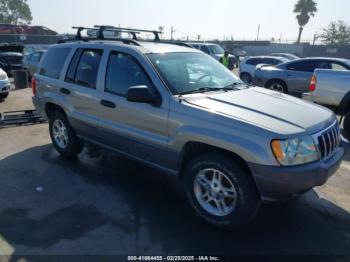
x: 248, y: 66
x: 178, y: 110
x: 4, y: 85
x: 294, y: 77
x: 31, y: 62
x: 215, y: 51
x: 332, y: 89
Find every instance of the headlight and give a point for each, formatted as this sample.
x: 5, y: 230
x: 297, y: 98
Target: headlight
x: 292, y: 152
x: 3, y: 76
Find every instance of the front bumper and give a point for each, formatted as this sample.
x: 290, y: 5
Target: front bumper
x: 5, y: 86
x: 277, y: 183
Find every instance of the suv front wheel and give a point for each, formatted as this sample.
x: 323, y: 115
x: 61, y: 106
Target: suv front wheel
x: 346, y: 125
x: 63, y: 136
x: 220, y: 190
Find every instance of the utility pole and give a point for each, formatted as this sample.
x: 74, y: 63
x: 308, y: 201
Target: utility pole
x: 257, y: 37
x: 315, y: 38
x: 172, y: 33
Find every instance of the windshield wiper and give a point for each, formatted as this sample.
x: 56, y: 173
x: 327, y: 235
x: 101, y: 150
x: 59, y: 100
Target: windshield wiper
x: 230, y: 87
x: 233, y: 86
x: 199, y: 90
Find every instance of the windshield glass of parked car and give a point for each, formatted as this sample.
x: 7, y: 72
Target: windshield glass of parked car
x: 216, y: 49
x: 184, y: 72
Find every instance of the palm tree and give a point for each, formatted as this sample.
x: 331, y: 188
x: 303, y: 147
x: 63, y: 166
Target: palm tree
x: 305, y: 9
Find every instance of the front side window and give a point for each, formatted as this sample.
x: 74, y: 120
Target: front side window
x: 184, y: 72
x: 123, y: 71
x: 53, y: 62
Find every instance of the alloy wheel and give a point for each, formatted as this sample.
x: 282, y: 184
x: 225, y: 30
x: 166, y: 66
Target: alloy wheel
x: 215, y: 192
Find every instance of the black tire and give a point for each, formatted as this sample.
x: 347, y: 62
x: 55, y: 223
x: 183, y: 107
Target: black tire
x: 74, y: 146
x: 247, y: 201
x: 246, y: 78
x: 273, y: 84
x: 346, y: 126
x: 3, y: 96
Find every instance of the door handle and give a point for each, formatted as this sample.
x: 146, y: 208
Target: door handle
x: 64, y: 91
x: 108, y: 104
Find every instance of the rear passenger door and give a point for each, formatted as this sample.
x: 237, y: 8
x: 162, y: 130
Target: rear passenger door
x: 137, y: 129
x: 80, y: 87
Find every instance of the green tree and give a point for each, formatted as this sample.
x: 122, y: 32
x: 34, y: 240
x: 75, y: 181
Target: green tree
x: 337, y: 32
x: 305, y: 9
x: 15, y: 12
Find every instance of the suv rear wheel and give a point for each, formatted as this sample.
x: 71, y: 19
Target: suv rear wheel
x: 346, y: 125
x: 63, y: 136
x: 220, y: 190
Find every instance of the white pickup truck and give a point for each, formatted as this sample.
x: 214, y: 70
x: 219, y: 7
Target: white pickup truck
x: 331, y: 88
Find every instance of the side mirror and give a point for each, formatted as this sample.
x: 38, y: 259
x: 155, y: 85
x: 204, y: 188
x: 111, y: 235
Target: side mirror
x: 143, y: 94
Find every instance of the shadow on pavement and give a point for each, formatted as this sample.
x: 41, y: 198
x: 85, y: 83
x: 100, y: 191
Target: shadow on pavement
x: 107, y: 194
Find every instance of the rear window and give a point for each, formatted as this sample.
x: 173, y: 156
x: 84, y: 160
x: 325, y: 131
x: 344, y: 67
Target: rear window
x: 254, y: 61
x: 53, y: 62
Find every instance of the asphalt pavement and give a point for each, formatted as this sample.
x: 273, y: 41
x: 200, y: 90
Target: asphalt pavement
x: 105, y: 204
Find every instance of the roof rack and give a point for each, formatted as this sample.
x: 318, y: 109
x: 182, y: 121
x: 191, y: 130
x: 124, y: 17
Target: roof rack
x: 132, y: 31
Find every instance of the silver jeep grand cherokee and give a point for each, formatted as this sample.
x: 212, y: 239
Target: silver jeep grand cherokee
x: 179, y: 110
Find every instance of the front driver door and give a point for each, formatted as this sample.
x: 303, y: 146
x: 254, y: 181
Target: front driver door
x: 137, y: 129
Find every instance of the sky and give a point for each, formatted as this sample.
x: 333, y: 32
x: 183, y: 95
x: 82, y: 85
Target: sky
x: 209, y: 18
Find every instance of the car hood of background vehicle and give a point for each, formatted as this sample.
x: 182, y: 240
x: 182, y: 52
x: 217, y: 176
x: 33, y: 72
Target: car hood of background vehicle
x: 276, y: 112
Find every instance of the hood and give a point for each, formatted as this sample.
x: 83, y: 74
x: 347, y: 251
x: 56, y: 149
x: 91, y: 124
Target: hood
x: 276, y: 112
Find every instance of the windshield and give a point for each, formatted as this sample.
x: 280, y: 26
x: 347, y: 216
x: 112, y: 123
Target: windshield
x: 186, y: 72
x: 216, y: 49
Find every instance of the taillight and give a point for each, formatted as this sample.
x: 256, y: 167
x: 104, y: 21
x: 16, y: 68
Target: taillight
x: 313, y: 83
x: 34, y: 86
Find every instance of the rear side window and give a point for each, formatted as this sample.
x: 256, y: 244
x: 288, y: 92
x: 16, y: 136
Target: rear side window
x: 254, y: 61
x: 338, y: 66
x: 271, y: 61
x: 83, y: 69
x: 124, y: 71
x: 53, y: 62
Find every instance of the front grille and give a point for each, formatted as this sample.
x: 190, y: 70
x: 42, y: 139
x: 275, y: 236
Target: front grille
x: 329, y: 141
x: 14, y: 60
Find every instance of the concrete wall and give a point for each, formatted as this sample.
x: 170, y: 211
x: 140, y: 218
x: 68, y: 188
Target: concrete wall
x: 273, y: 48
